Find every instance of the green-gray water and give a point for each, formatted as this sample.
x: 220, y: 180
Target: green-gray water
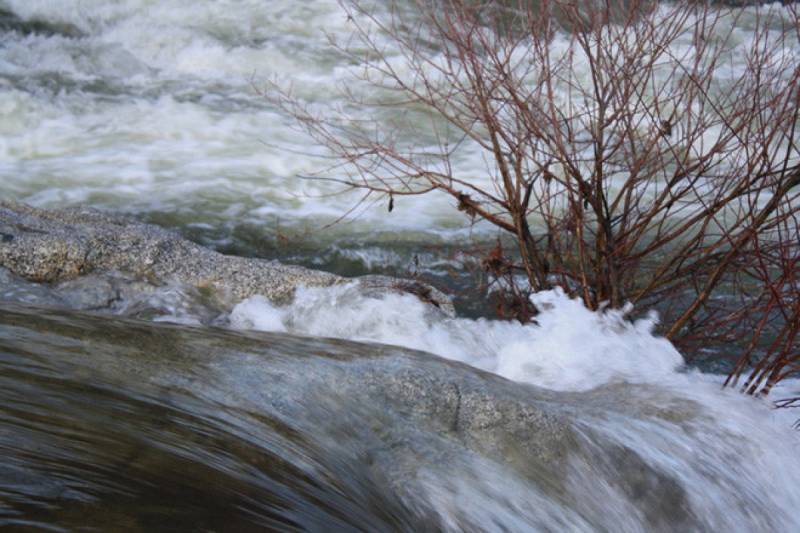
x: 116, y: 421
x: 120, y: 425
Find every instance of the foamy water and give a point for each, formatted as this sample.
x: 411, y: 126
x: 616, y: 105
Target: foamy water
x: 571, y: 348
x: 156, y: 107
x: 680, y: 421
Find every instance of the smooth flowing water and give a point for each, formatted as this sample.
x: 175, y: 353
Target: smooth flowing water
x: 123, y: 425
x: 152, y: 108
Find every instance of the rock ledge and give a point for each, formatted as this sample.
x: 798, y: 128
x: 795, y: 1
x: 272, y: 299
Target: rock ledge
x: 52, y: 246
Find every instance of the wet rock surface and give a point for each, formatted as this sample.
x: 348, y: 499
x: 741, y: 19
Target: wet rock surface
x: 401, y: 423
x: 56, y: 246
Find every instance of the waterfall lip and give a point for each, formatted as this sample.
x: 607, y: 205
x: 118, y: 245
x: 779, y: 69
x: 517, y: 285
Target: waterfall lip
x: 421, y: 423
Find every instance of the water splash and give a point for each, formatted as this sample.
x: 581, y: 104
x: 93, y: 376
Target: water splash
x: 570, y: 347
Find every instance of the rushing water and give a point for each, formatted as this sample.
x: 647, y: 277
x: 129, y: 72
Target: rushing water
x: 134, y: 426
x: 151, y: 108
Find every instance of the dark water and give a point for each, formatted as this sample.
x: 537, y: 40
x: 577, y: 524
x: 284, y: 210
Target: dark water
x: 110, y: 424
x: 90, y: 444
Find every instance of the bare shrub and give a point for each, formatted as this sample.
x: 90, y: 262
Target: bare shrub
x: 635, y: 151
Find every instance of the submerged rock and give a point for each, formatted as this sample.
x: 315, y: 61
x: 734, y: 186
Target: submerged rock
x: 303, y: 427
x: 54, y: 246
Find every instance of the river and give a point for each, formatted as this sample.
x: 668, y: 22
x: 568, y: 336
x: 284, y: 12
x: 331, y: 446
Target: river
x: 152, y: 109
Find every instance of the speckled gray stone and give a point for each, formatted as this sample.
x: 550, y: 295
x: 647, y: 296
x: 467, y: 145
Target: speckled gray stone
x: 62, y: 244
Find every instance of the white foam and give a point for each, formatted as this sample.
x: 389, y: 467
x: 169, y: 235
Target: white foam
x: 257, y: 313
x: 735, y: 457
x: 571, y: 348
x: 153, y: 107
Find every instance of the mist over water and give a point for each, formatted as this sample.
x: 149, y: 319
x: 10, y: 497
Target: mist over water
x: 153, y: 109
